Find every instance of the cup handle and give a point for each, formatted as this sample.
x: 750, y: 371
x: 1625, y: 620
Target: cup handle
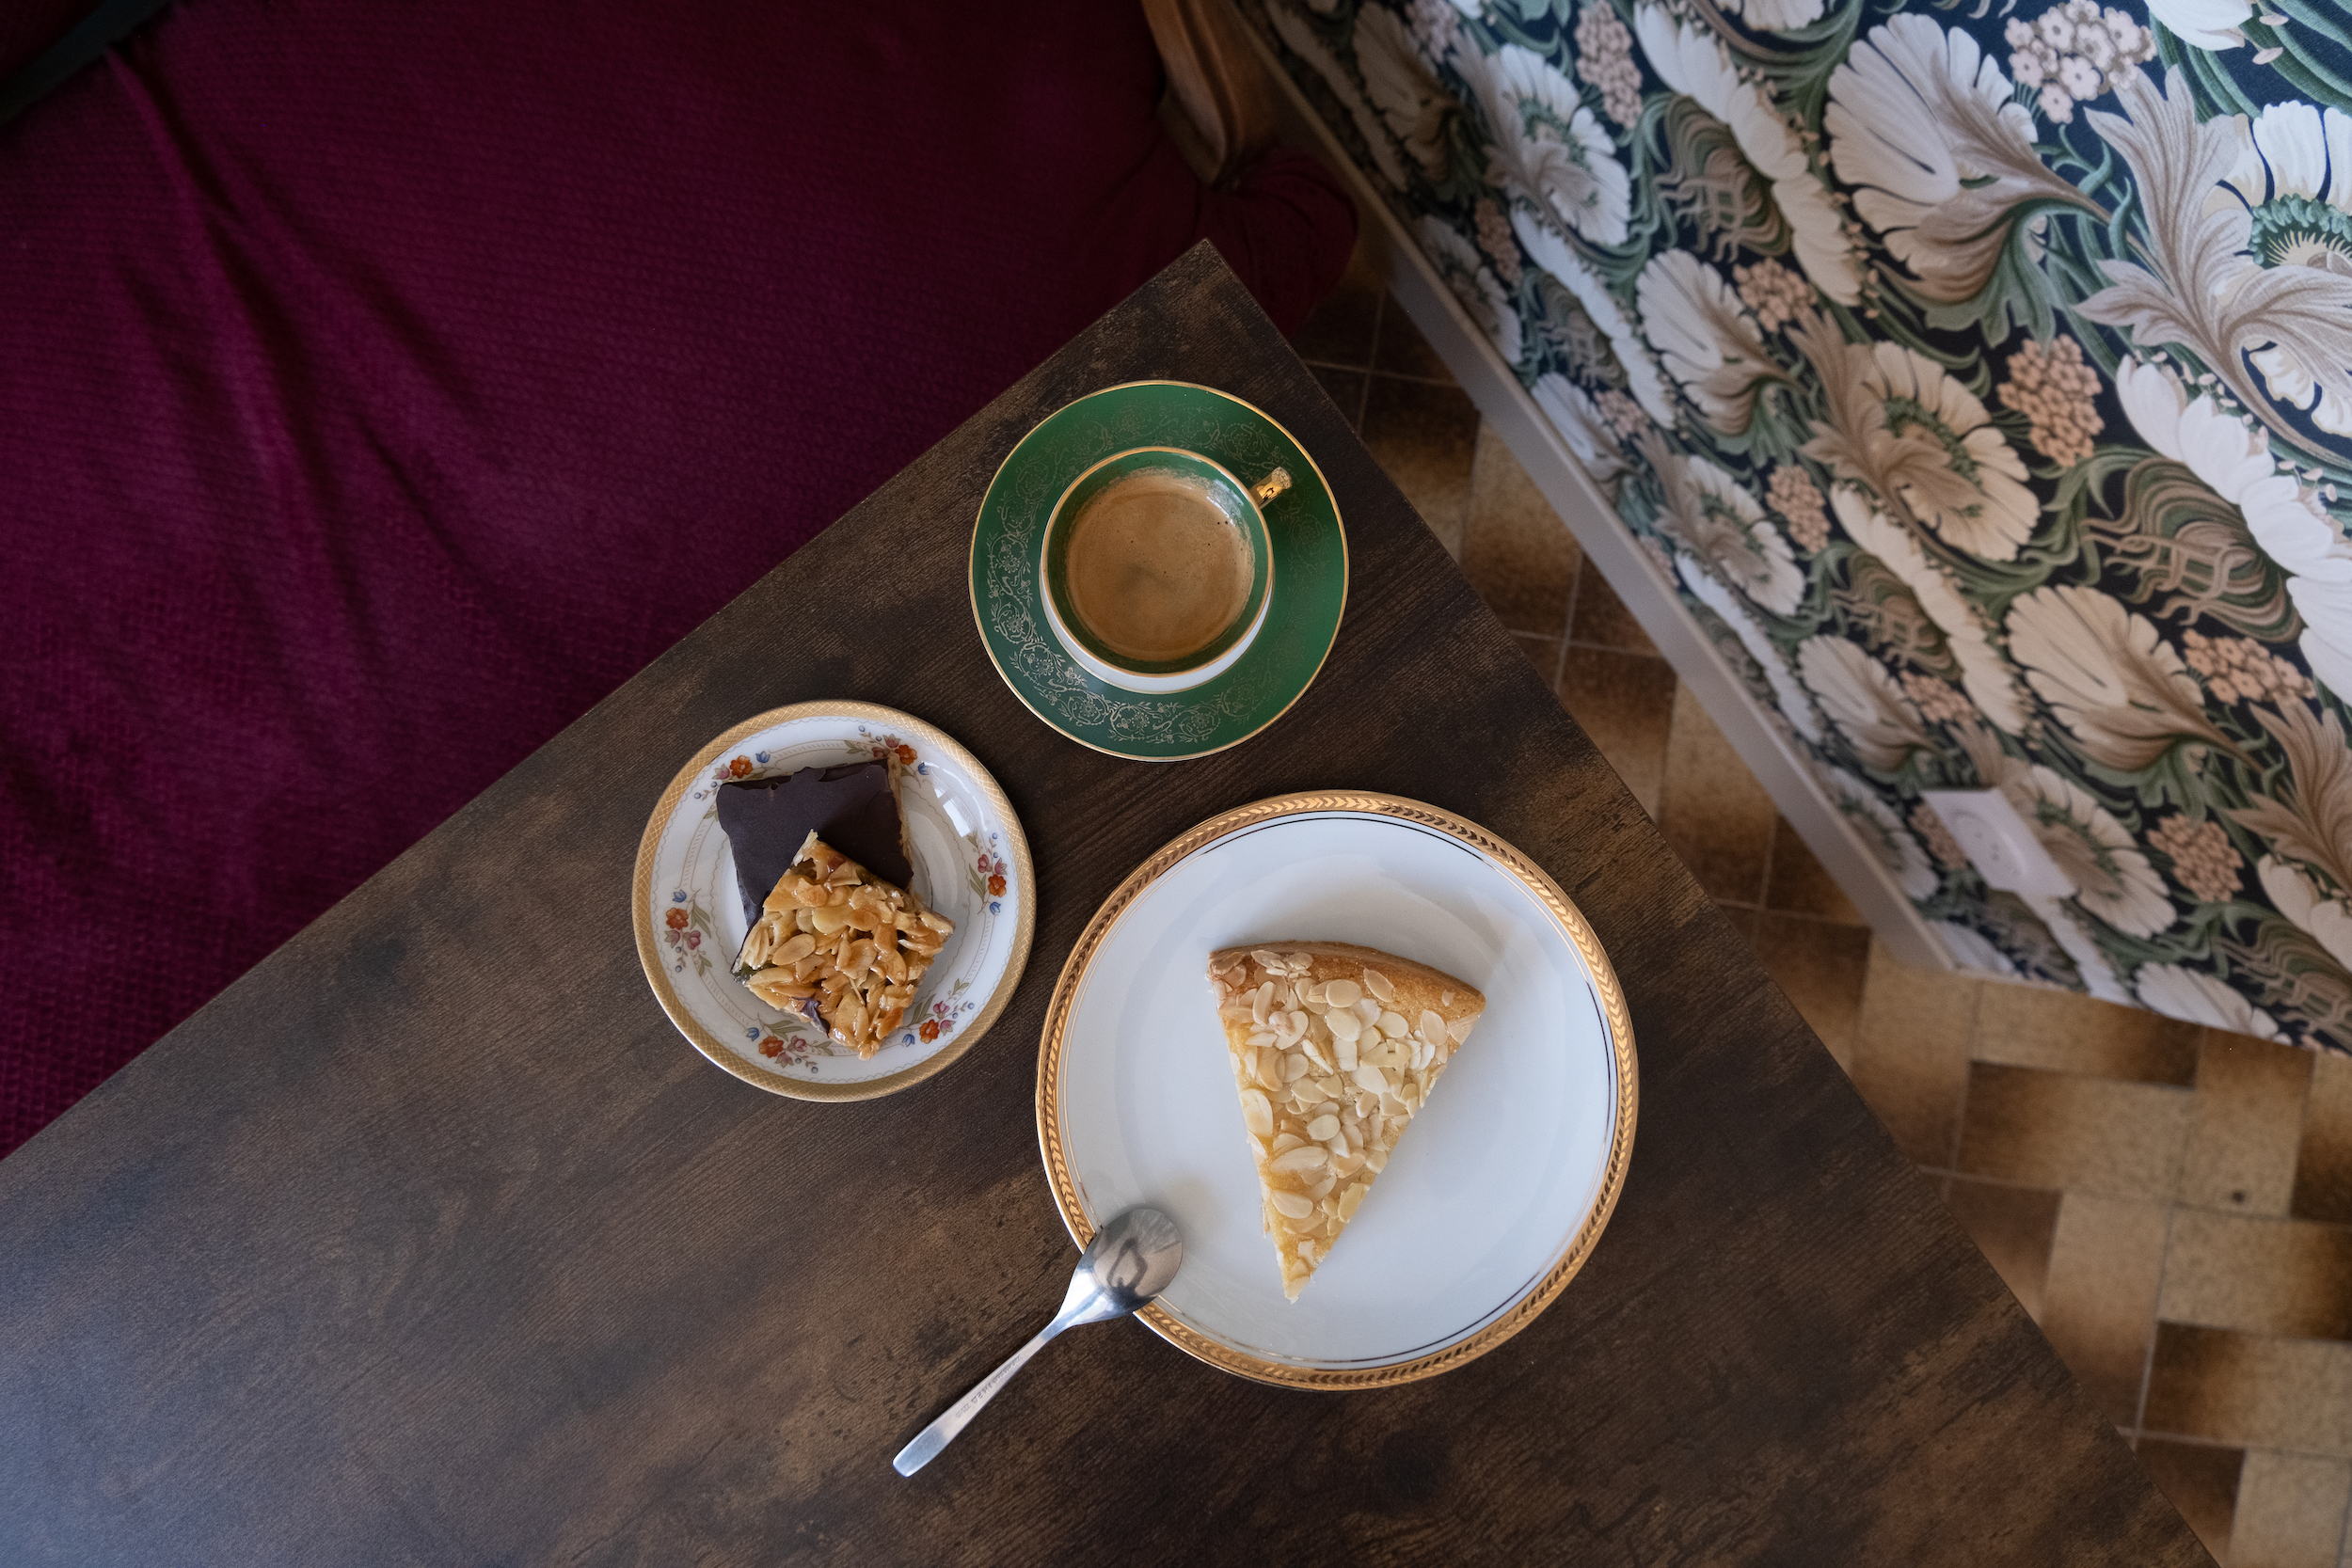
x: 1271, y: 487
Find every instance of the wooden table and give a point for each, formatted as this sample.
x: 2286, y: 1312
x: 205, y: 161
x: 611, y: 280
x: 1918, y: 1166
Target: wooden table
x: 431, y: 1240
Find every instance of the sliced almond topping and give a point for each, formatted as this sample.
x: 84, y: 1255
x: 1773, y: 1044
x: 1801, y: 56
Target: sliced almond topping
x: 1298, y: 1161
x: 1257, y: 1112
x: 1296, y: 1205
x: 1393, y: 1025
x: 1345, y: 1026
x: 1379, y: 984
x: 1342, y: 993
x: 1432, y: 1026
x: 1322, y: 1128
x: 1368, y: 1078
x: 1295, y: 1067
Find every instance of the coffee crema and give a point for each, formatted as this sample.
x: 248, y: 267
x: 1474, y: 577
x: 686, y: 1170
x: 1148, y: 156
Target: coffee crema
x: 1155, y: 569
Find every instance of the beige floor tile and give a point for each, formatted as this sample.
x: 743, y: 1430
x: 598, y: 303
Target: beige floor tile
x: 2250, y: 1120
x: 1823, y: 969
x: 2099, y: 1296
x: 2290, y: 1510
x: 1516, y: 550
x: 1345, y: 326
x: 2202, y: 1481
x: 2063, y: 1032
x: 1911, y: 1052
x: 1625, y: 703
x: 2013, y: 1228
x: 2087, y: 1134
x: 2251, y: 1389
x: 1602, y: 619
x: 1425, y: 438
x: 1542, y: 652
x: 1711, y: 810
x: 1345, y: 388
x: 1800, y: 884
x: 2323, y: 1173
x: 1401, y: 350
x: 2263, y: 1275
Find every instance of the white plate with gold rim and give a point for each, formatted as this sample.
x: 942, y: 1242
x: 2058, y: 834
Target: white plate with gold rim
x: 1499, y: 1188
x: 971, y: 864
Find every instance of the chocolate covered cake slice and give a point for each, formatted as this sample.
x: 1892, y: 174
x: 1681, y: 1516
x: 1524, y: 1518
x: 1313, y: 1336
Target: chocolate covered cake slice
x: 853, y: 807
x: 834, y: 936
x: 1335, y: 1049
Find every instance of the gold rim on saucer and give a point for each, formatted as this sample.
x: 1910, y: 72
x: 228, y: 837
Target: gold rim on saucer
x: 1565, y: 914
x: 649, y: 941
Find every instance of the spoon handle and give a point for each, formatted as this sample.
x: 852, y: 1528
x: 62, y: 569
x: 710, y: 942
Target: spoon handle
x: 958, y: 1416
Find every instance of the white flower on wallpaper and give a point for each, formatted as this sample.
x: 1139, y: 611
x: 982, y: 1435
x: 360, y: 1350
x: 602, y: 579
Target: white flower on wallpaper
x: 1704, y: 335
x: 1403, y: 88
x: 1549, y: 148
x: 1790, y: 698
x: 1862, y: 699
x: 1572, y: 414
x: 2294, y: 173
x: 2123, y: 695
x: 1774, y: 16
x: 2322, y: 918
x: 2195, y: 998
x: 1708, y: 513
x: 2235, y: 462
x: 1910, y: 431
x: 2112, y: 879
x: 1986, y: 676
x: 1971, y: 949
x: 2073, y: 935
x: 1475, y: 285
x: 2206, y: 23
x: 1300, y: 39
x: 1550, y: 250
x: 1890, y: 843
x: 1690, y: 59
x: 1926, y: 127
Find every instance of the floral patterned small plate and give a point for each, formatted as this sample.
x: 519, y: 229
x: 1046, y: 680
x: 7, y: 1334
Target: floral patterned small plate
x: 971, y: 864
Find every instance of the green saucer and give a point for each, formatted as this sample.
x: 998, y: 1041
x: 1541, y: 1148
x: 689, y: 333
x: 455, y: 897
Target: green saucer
x: 1309, y: 572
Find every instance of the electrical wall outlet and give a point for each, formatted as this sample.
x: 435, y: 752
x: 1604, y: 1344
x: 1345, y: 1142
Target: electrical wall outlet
x: 1999, y: 841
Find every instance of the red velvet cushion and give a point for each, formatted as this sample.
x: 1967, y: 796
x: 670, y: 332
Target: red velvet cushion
x: 381, y: 385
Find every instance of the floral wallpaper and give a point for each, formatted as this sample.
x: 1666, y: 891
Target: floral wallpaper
x: 1980, y: 371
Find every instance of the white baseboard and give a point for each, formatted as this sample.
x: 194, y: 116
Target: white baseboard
x: 1504, y: 404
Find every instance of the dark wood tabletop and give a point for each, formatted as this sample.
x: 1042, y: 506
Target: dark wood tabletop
x: 431, y: 1240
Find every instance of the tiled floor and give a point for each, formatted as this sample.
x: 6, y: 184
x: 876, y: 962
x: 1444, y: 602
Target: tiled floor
x: 2173, y: 1204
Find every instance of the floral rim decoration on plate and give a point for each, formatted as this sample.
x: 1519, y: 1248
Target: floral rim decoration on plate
x: 972, y: 865
x: 1530, y: 887
x: 1310, y: 555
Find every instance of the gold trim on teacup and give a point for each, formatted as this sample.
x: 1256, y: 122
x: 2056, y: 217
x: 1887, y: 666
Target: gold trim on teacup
x: 1508, y: 1317
x: 980, y: 624
x: 1232, y: 653
x: 648, y: 943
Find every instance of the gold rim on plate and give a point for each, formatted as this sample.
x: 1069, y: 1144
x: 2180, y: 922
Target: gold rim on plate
x: 648, y: 942
x: 1563, y: 913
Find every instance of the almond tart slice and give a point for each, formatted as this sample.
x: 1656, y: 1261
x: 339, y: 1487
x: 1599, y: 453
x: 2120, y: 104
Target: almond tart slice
x: 1335, y: 1049
x: 837, y: 939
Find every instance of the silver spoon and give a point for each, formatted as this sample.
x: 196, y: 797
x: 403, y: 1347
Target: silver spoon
x: 1130, y: 1260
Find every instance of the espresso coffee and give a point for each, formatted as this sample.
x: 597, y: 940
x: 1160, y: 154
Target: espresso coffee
x: 1156, y: 571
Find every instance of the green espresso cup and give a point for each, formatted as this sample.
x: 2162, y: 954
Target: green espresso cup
x: 1157, y: 569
